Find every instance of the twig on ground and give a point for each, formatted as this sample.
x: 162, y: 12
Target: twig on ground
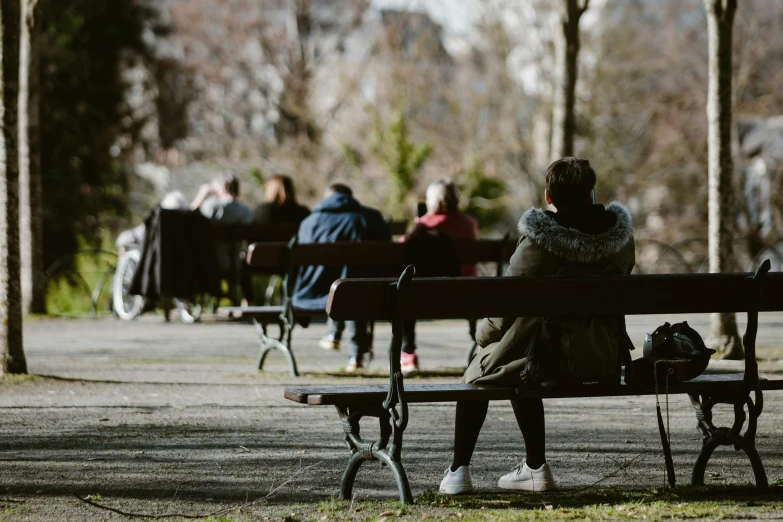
x: 615, y: 472
x: 12, y: 500
x: 222, y: 511
x: 617, y: 463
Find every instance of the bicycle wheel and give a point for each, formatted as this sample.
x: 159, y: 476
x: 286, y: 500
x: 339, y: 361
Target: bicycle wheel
x: 79, y: 284
x: 126, y: 305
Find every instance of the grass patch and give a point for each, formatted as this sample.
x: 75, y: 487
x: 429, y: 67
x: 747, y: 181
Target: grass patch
x: 79, y: 284
x: 713, y: 503
x: 16, y: 380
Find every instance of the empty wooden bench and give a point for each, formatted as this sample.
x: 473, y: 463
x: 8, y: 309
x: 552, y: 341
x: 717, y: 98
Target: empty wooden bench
x: 448, y: 298
x: 385, y: 255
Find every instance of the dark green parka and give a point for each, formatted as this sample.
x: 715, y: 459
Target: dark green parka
x: 589, y: 238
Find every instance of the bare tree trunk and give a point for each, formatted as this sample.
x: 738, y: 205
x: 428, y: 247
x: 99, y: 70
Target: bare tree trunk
x: 12, y: 358
x: 30, y: 211
x: 724, y: 335
x: 567, y: 52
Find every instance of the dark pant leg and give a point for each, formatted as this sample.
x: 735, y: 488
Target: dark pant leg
x: 467, y: 426
x: 530, y: 418
x: 336, y: 329
x: 358, y: 339
x: 409, y: 336
x: 246, y: 286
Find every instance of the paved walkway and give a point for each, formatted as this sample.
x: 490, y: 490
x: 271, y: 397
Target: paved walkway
x: 153, y: 413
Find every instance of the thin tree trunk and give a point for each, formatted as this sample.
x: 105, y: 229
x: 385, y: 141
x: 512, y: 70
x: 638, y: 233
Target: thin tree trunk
x: 30, y: 211
x: 724, y: 335
x: 567, y: 54
x: 12, y: 358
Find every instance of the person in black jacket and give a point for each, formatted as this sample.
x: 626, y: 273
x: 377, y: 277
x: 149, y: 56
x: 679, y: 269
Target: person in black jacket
x: 580, y: 237
x: 280, y: 206
x: 338, y: 217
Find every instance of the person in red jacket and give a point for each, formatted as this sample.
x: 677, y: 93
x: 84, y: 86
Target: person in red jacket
x: 443, y: 214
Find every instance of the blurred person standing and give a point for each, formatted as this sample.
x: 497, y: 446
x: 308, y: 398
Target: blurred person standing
x: 280, y: 206
x: 338, y: 217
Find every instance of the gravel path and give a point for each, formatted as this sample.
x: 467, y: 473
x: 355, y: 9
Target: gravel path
x: 156, y: 417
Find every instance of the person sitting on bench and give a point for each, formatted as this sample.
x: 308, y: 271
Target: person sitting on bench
x: 338, y: 217
x: 443, y: 217
x: 581, y: 237
x: 280, y: 206
x: 218, y: 201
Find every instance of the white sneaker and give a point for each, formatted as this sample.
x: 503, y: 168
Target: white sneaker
x: 456, y: 482
x: 328, y: 342
x: 523, y: 478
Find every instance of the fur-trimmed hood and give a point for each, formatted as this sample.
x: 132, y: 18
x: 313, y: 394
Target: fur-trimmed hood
x: 573, y: 245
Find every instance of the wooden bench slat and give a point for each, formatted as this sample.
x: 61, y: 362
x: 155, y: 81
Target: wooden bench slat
x: 260, y: 312
x: 440, y: 298
x: 471, y: 251
x: 274, y: 255
x: 417, y: 393
x: 238, y: 312
x: 252, y: 232
x: 372, y: 253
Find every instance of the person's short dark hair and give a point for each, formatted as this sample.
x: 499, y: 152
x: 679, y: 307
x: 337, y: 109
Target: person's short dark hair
x: 231, y: 182
x: 570, y: 182
x: 340, y: 188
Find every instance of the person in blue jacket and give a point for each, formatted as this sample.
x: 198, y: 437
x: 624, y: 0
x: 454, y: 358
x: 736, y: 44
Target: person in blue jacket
x: 338, y: 217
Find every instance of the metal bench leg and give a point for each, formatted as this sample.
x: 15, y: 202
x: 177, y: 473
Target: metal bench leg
x: 713, y: 437
x: 362, y: 451
x: 269, y: 343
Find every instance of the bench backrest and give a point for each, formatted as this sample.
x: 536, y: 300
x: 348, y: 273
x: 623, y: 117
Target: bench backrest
x: 397, y: 228
x: 263, y: 233
x: 456, y: 298
x: 254, y: 233
x: 367, y: 253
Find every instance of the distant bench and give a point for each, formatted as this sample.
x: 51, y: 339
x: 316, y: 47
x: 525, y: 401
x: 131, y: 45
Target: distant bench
x: 450, y: 298
x: 386, y: 255
x: 235, y: 237
x: 253, y: 233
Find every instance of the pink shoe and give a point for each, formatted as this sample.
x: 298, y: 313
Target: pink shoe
x: 409, y: 363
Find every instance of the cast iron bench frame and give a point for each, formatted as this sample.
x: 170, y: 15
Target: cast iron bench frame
x: 389, y: 256
x: 409, y: 298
